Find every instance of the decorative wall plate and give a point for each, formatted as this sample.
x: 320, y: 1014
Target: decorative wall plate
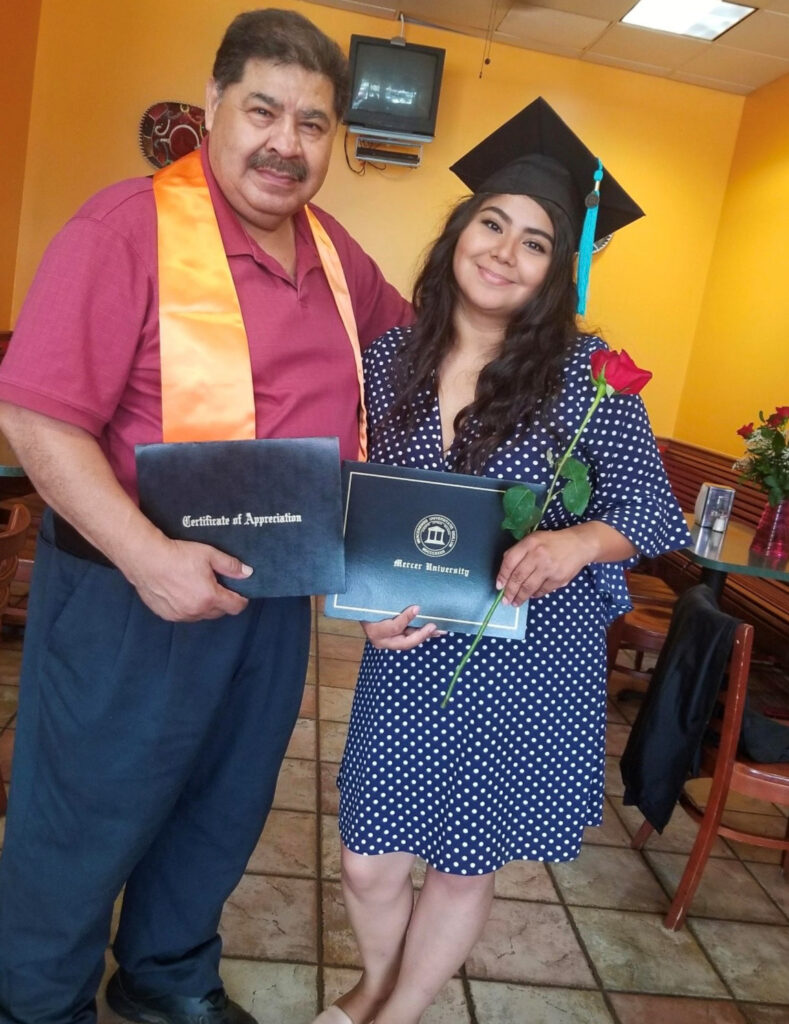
x: 169, y: 130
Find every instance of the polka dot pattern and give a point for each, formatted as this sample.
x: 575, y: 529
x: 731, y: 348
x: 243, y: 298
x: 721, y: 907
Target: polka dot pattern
x: 513, y: 767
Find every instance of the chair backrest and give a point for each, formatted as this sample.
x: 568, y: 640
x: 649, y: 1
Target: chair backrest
x: 13, y: 534
x: 723, y: 730
x: 667, y: 736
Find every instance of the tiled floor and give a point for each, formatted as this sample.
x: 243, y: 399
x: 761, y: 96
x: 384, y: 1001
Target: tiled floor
x: 578, y: 943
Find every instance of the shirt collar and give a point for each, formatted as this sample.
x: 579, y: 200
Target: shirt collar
x: 235, y: 238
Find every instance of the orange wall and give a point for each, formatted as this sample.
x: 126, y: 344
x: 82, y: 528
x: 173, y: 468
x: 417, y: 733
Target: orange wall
x: 99, y: 65
x: 18, y: 30
x: 740, y: 359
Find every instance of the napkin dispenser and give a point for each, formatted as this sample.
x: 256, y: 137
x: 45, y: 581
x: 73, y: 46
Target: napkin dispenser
x: 713, y: 506
x: 708, y: 543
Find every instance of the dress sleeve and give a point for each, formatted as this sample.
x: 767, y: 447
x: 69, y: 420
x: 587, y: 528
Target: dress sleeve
x: 630, y: 492
x: 630, y: 489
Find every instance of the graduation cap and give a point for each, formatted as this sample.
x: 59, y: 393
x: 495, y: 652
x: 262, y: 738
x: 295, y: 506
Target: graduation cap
x: 536, y: 154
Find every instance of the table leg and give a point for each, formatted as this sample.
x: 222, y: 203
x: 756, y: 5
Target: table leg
x: 715, y: 580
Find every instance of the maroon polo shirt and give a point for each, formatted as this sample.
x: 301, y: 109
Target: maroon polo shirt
x: 86, y: 347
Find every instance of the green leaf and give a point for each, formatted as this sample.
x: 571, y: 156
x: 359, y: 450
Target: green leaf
x: 575, y: 470
x: 577, y: 491
x: 575, y: 496
x: 522, y: 515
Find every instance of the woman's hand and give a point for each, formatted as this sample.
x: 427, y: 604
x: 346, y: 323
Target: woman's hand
x: 541, y: 562
x: 548, y: 559
x: 396, y: 634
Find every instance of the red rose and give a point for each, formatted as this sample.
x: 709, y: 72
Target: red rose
x: 778, y: 417
x: 746, y: 431
x: 618, y: 371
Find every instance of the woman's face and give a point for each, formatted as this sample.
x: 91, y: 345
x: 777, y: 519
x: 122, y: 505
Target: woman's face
x: 502, y: 256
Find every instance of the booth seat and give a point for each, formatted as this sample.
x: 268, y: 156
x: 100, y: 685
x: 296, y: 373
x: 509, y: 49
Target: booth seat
x: 762, y: 602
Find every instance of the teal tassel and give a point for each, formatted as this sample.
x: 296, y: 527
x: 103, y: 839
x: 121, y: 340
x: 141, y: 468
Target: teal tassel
x: 587, y: 239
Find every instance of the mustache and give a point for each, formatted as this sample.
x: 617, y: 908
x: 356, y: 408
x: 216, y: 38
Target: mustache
x: 295, y: 169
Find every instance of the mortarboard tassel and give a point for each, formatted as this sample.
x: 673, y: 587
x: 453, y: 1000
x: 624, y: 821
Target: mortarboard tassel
x: 587, y: 240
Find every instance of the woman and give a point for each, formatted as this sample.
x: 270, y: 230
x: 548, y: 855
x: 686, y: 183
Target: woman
x: 492, y: 377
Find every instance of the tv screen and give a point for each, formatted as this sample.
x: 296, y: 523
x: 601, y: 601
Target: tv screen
x: 394, y: 87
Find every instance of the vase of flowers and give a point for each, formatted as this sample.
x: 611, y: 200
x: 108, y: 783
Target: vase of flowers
x: 766, y: 463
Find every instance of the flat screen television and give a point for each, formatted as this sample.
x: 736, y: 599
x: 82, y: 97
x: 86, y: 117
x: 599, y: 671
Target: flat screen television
x: 394, y: 86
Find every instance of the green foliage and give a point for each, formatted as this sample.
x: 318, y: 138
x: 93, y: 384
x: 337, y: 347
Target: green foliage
x: 577, y: 491
x: 520, y: 504
x: 576, y: 495
x: 766, y: 460
x: 521, y: 512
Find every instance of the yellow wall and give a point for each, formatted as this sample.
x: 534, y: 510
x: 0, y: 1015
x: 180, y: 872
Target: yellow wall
x: 740, y: 360
x: 99, y: 65
x: 18, y: 30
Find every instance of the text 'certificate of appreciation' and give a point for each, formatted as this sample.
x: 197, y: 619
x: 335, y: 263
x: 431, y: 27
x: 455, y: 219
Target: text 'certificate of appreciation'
x: 416, y: 536
x: 274, y: 503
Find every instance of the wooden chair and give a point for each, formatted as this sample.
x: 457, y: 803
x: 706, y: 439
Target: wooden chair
x: 13, y: 534
x: 15, y: 611
x: 730, y: 773
x: 648, y: 589
x: 641, y: 631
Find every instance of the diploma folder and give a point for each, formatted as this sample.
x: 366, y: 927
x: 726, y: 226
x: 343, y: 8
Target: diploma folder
x: 415, y: 536
x: 274, y: 503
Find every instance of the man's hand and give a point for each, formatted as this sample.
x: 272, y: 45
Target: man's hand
x: 177, y: 581
x: 396, y: 634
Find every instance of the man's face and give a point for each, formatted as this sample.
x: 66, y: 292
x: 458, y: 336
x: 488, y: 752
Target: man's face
x: 270, y: 140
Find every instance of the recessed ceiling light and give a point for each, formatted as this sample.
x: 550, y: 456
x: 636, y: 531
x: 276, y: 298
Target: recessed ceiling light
x: 704, y: 19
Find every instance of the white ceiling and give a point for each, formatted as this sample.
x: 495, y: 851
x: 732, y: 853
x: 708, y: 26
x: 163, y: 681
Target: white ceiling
x: 749, y: 55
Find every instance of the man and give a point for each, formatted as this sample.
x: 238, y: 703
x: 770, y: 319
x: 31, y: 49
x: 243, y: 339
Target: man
x: 156, y: 704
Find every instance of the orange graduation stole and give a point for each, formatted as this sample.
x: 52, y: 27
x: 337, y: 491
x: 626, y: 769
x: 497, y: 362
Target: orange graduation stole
x: 207, y: 389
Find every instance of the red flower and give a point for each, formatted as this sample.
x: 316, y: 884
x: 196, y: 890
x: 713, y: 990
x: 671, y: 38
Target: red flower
x: 746, y: 431
x: 618, y: 371
x: 778, y: 417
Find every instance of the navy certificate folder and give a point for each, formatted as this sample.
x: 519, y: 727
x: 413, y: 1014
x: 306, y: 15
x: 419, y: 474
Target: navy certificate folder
x: 275, y: 503
x: 415, y: 536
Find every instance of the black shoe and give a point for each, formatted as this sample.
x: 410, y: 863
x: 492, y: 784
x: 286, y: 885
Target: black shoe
x: 215, y: 1008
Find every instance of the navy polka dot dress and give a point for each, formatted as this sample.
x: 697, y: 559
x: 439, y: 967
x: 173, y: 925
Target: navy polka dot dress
x: 513, y: 767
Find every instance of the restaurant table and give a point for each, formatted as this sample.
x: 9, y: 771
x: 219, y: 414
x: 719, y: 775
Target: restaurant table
x: 718, y: 554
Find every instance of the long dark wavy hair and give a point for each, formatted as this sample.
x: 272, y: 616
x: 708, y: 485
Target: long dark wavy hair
x: 519, y: 386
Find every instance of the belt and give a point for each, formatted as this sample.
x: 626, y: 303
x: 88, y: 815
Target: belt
x: 73, y: 543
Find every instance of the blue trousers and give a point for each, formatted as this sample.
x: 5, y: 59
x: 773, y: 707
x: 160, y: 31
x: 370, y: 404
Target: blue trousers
x: 146, y: 753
